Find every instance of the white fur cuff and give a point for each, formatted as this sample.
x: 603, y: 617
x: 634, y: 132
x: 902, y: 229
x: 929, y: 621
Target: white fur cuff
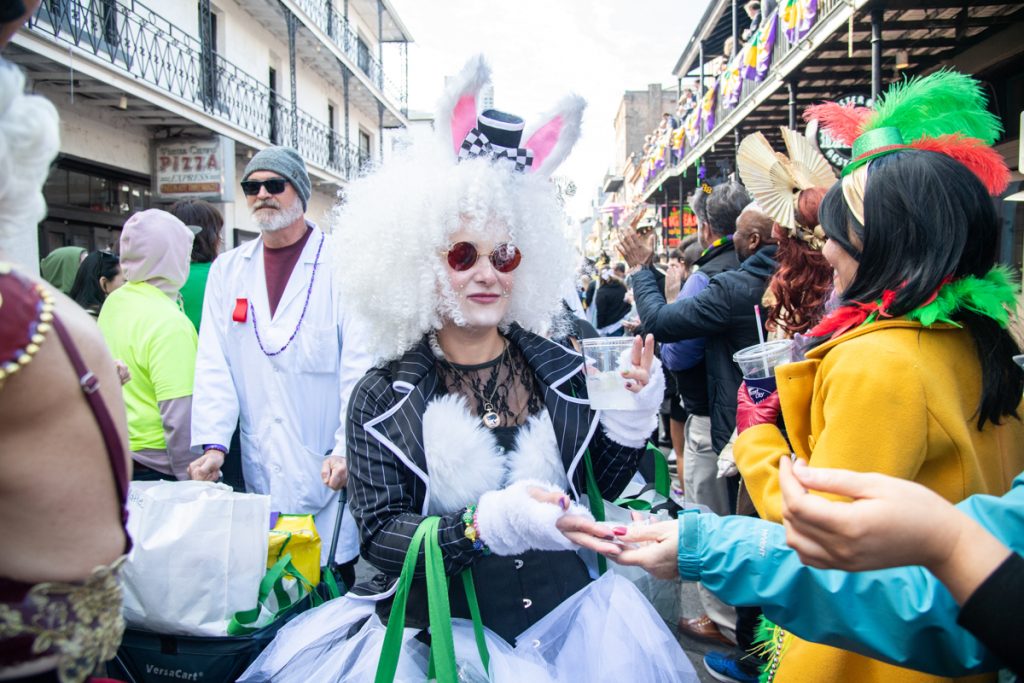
x: 633, y: 427
x: 511, y: 521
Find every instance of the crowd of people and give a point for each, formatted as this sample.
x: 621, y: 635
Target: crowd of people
x: 858, y: 520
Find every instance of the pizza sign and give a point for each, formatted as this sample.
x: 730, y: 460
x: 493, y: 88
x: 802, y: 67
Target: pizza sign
x: 194, y: 168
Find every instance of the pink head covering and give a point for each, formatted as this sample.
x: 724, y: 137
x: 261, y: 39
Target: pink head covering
x: 156, y: 248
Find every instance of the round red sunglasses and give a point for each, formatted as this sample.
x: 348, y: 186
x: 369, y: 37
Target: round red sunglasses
x: 463, y: 255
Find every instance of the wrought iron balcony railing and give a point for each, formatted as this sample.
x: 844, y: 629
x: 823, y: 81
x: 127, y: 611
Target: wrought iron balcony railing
x: 139, y: 42
x: 337, y: 28
x: 723, y: 116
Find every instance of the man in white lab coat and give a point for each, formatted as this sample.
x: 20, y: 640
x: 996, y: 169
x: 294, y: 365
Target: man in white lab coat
x: 278, y: 353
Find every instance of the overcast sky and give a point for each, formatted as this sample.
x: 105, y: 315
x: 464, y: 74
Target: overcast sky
x: 541, y: 49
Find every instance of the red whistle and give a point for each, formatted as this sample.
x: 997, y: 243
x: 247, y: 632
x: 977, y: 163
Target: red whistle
x: 241, y: 310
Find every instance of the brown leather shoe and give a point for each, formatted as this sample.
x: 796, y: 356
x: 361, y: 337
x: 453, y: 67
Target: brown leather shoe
x: 702, y: 628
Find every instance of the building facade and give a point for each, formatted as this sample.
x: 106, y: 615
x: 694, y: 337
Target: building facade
x: 640, y: 113
x: 133, y: 82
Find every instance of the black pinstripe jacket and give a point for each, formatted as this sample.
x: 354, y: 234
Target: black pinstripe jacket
x: 389, y: 485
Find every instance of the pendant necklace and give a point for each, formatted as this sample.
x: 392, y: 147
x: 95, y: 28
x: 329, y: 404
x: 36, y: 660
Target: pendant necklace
x: 490, y: 418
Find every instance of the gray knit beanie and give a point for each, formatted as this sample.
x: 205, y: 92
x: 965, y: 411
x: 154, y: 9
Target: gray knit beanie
x: 287, y: 163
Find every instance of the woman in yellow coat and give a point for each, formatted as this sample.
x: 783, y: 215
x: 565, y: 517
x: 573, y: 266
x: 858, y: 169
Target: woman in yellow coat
x: 912, y: 376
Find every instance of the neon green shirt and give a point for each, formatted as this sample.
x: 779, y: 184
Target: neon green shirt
x: 149, y: 333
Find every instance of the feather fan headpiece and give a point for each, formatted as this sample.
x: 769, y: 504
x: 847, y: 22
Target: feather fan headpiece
x: 775, y: 180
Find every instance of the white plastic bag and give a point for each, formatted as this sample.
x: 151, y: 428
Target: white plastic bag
x: 341, y: 640
x: 605, y: 632
x: 200, y: 550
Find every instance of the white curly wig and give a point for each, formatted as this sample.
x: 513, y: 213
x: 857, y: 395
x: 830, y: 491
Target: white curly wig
x: 394, y: 225
x: 29, y: 140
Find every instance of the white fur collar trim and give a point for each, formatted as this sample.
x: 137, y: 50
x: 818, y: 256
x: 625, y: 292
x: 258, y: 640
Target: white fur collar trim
x: 464, y: 460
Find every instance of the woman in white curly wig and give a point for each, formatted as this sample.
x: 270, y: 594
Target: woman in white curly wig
x: 456, y: 256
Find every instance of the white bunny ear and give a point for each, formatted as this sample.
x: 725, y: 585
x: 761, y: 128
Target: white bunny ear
x: 456, y: 112
x: 553, y: 138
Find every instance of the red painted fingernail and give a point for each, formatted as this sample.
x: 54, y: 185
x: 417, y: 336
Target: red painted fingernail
x: 620, y: 531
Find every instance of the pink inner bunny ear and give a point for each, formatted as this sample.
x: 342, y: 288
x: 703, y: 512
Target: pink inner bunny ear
x: 463, y: 120
x: 543, y: 142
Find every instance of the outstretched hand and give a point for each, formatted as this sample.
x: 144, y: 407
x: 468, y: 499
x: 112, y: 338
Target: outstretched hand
x: 581, y: 530
x: 890, y: 522
x: 639, y: 373
x: 659, y: 552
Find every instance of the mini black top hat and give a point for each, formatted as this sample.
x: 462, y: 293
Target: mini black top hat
x: 497, y: 135
x: 505, y: 131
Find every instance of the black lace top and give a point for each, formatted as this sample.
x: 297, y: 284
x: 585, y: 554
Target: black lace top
x: 507, y: 383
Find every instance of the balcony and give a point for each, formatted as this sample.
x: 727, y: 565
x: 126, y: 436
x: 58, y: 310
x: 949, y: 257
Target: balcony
x: 370, y: 89
x: 341, y: 34
x: 828, y: 57
x: 102, y: 49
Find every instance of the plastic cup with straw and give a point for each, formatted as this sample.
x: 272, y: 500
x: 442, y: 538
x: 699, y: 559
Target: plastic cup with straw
x: 758, y: 362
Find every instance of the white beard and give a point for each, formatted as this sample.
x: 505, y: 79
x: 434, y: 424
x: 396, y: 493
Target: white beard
x: 272, y: 221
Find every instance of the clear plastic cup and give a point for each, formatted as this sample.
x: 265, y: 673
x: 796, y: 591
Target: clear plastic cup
x: 758, y: 363
x: 606, y: 357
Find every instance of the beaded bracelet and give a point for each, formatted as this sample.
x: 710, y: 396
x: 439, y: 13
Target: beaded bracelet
x: 469, y: 518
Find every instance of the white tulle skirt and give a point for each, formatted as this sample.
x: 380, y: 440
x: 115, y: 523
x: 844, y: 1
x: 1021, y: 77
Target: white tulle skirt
x: 605, y: 632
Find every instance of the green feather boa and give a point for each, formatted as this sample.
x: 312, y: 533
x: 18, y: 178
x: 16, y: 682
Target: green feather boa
x: 993, y: 296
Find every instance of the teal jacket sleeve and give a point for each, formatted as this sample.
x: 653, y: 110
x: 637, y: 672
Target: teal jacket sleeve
x: 902, y: 615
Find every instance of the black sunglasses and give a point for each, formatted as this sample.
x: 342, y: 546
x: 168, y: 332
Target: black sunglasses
x: 463, y: 255
x: 273, y: 185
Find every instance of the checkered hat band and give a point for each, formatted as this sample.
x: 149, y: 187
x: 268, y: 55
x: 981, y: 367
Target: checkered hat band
x: 476, y: 144
x: 519, y: 156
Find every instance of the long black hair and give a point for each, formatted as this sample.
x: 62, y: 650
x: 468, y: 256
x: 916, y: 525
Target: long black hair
x: 927, y: 217
x: 205, y: 216
x: 86, y: 290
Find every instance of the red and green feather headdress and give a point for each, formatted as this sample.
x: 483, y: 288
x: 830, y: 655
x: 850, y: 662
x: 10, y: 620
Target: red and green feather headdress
x: 944, y: 112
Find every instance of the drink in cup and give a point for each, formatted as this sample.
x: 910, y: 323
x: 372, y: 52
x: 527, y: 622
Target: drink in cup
x: 758, y: 363
x: 606, y: 358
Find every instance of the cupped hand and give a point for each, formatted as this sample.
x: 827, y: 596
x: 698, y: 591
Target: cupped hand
x: 334, y: 472
x: 639, y: 373
x: 658, y: 552
x: 890, y: 522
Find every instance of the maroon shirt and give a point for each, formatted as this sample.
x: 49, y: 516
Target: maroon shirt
x: 278, y: 265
